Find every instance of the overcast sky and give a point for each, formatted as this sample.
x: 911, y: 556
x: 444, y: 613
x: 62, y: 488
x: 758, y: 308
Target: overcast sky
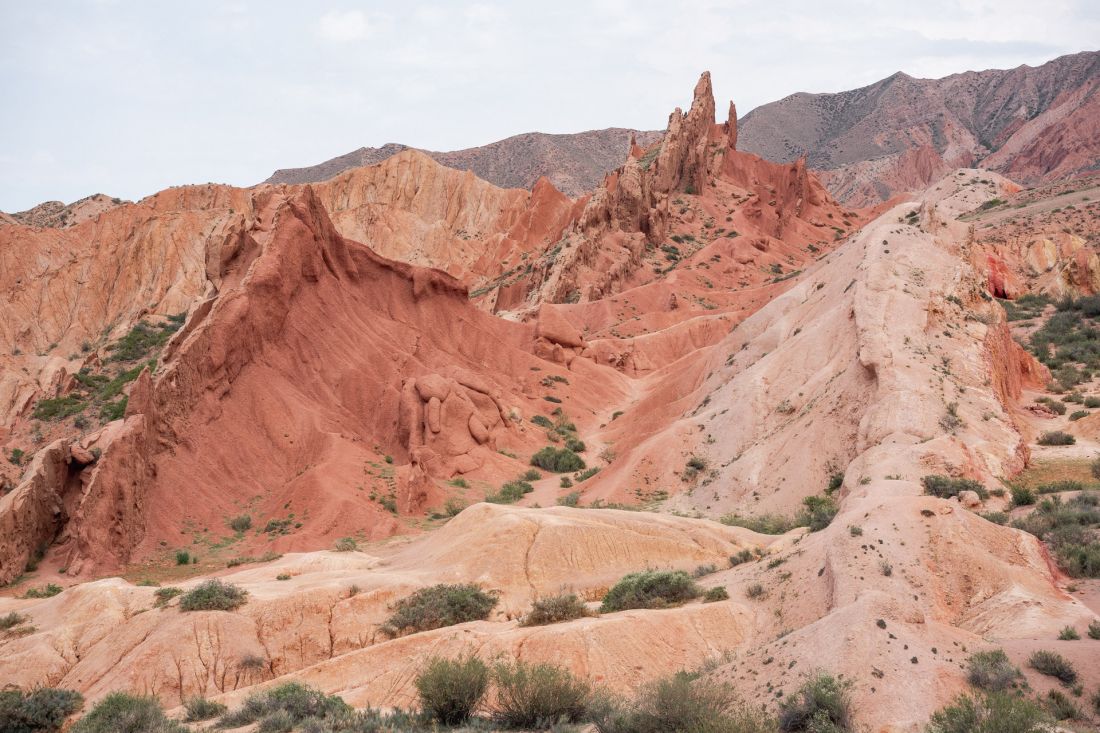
x: 127, y: 98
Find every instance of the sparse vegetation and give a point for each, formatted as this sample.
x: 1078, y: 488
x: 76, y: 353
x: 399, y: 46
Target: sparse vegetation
x: 946, y: 487
x: 510, y: 493
x: 199, y: 708
x: 47, y: 591
x: 243, y: 523
x: 681, y: 703
x: 650, y: 589
x: 346, y: 544
x: 555, y: 609
x: 120, y: 712
x: 991, y: 671
x: 821, y: 704
x: 438, y: 606
x: 163, y: 595
x: 1056, y: 437
x: 1069, y: 528
x: 213, y: 595
x: 288, y: 706
x: 1054, y: 665
x: 39, y: 711
x: 996, y: 712
x: 558, y: 460
x: 537, y: 695
x: 451, y: 690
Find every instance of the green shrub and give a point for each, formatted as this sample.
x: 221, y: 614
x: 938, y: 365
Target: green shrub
x: 44, y: 709
x: 183, y: 557
x: 531, y: 475
x: 571, y: 499
x: 1054, y: 665
x: 991, y: 671
x: 1068, y: 527
x: 538, y: 695
x: 542, y: 421
x: 510, y: 493
x: 199, y: 708
x: 764, y: 523
x: 1068, y: 633
x: 756, y: 590
x: 114, y: 410
x: 283, y: 707
x: 566, y: 482
x: 47, y: 591
x: 741, y: 557
x: 585, y: 475
x: 717, y: 593
x: 682, y: 703
x: 650, y: 589
x: 822, y: 704
x: 1056, y: 437
x: 555, y: 609
x: 817, y: 512
x: 451, y: 690
x: 1092, y: 401
x: 163, y: 595
x: 575, y: 445
x: 558, y: 460
x: 242, y: 523
x: 213, y: 595
x: 16, y: 457
x: 123, y: 713
x: 1078, y: 414
x: 945, y: 487
x: 11, y: 620
x: 1021, y: 495
x: 1060, y: 706
x: 1094, y: 630
x: 438, y: 606
x: 58, y: 408
x: 346, y: 544
x: 1054, y: 406
x: 995, y: 712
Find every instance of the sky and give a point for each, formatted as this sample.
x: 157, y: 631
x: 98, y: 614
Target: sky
x: 128, y: 98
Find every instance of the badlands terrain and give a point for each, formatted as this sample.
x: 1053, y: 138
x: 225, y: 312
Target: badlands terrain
x: 866, y: 436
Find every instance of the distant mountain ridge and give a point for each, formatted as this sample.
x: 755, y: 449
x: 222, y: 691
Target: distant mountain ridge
x: 574, y: 163
x: 1032, y: 124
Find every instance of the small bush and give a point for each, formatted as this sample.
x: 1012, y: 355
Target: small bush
x: 717, y: 593
x: 822, y: 703
x: 510, y: 493
x: 1092, y: 401
x: 817, y: 512
x: 538, y: 695
x: 558, y: 460
x: 163, y: 595
x: 680, y: 703
x: 996, y: 712
x: 1054, y: 406
x: 1094, y: 630
x: 764, y: 523
x: 1060, y: 706
x: 1021, y: 495
x: 571, y: 499
x: 438, y: 606
x: 945, y: 487
x: 284, y: 707
x: 555, y: 609
x: 542, y: 421
x: 650, y: 589
x: 199, y: 708
x: 1056, y: 437
x: 566, y: 482
x: 697, y: 463
x: 531, y: 475
x: 213, y: 595
x: 1068, y: 634
x: 346, y: 544
x: 123, y: 713
x: 47, y: 591
x: 1078, y: 414
x: 756, y: 590
x: 11, y: 620
x: 451, y: 690
x: 1054, y: 665
x: 991, y: 671
x: 44, y: 709
x: 242, y: 523
x: 183, y: 557
x: 741, y: 557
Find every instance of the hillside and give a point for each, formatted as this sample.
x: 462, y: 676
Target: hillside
x: 574, y: 163
x: 901, y: 133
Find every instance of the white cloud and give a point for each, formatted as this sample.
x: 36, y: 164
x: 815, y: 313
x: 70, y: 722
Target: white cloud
x: 343, y: 26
